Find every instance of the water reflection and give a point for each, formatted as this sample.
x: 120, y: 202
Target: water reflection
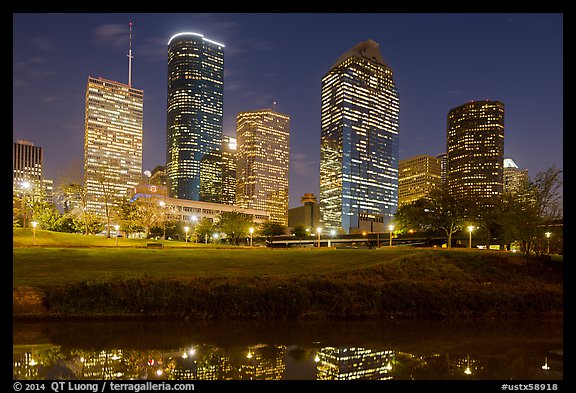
x: 287, y: 350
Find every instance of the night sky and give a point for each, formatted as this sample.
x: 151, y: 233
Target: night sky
x: 439, y: 61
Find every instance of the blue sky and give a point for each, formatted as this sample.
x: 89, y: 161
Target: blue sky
x: 439, y: 60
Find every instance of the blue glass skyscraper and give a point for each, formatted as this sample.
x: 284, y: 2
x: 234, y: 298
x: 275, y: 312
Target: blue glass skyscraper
x: 359, y: 142
x: 194, y: 116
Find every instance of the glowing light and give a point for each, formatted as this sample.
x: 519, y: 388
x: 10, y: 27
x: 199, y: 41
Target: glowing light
x: 196, y: 34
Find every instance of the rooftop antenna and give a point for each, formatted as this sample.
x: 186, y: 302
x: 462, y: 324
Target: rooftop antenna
x: 130, y: 57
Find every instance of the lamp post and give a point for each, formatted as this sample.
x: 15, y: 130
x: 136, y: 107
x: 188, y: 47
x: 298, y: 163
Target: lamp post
x: 34, y: 223
x: 162, y: 205
x: 251, y: 230
x: 194, y: 220
x: 186, y: 237
x: 215, y: 236
x: 470, y: 229
x: 391, y: 227
x: 332, y: 233
x: 117, y: 227
x: 25, y: 187
x: 319, y: 230
x: 548, y: 242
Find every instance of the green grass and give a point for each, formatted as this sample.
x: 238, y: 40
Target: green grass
x: 57, y: 266
x: 218, y: 282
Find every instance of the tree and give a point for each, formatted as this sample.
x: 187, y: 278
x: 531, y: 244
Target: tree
x: 299, y: 231
x: 71, y: 192
x: 107, y: 195
x: 46, y: 215
x: 204, y: 228
x: 235, y: 225
x: 439, y: 210
x: 533, y: 208
x: 269, y: 229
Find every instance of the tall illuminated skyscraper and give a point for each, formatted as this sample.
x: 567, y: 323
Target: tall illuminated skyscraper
x: 112, y: 142
x: 359, y: 140
x: 475, y: 150
x: 194, y: 116
x: 262, y: 162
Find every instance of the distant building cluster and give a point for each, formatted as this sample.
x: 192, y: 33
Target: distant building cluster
x: 362, y: 181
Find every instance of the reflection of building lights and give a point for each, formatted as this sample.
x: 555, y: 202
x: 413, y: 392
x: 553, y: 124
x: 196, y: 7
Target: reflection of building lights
x: 389, y: 366
x: 249, y: 356
x: 317, y: 358
x: 158, y: 372
x: 33, y: 362
x: 118, y: 374
x: 82, y: 359
x: 115, y: 357
x: 467, y: 371
x: 546, y: 366
x: 184, y: 355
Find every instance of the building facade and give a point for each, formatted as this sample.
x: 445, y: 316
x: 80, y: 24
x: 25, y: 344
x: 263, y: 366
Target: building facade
x: 229, y: 148
x: 27, y: 169
x: 194, y: 116
x: 307, y: 215
x: 475, y: 150
x: 112, y: 142
x: 188, y: 210
x: 262, y: 162
x: 417, y: 176
x: 514, y: 178
x: 359, y: 140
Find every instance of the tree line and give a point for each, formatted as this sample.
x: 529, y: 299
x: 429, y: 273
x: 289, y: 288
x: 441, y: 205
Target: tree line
x: 523, y: 216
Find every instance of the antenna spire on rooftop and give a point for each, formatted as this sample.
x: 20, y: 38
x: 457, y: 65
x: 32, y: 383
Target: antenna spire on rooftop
x: 130, y: 57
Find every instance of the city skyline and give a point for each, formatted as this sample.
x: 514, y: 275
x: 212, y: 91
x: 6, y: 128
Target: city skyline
x: 444, y: 64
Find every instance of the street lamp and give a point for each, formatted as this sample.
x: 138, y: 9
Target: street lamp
x: 163, y: 204
x: 251, y: 230
x: 25, y: 187
x: 186, y: 238
x: 215, y: 236
x: 34, y: 223
x: 391, y: 227
x: 319, y: 230
x: 194, y: 220
x: 117, y: 227
x: 332, y: 233
x: 470, y: 229
x: 548, y: 242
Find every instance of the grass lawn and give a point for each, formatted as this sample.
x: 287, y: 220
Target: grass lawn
x: 56, y: 266
x: 76, y: 275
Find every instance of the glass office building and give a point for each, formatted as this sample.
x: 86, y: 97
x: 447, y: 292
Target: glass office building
x: 359, y: 140
x: 194, y: 116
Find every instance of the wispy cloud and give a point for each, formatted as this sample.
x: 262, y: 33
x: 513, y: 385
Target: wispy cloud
x: 302, y: 165
x: 112, y: 34
x: 43, y: 44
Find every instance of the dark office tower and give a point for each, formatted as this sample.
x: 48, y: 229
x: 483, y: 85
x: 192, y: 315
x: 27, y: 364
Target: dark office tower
x: 475, y: 150
x: 359, y: 140
x: 194, y: 116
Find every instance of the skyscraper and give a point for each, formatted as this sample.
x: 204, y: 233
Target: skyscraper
x: 112, y: 142
x: 475, y: 150
x: 514, y: 177
x: 27, y: 167
x: 417, y: 176
x: 262, y: 162
x: 194, y: 116
x: 359, y: 140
